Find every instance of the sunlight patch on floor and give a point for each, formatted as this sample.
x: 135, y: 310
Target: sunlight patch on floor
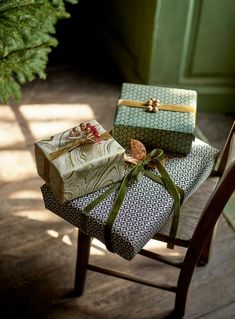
x: 53, y: 233
x: 10, y: 131
x: 160, y: 247
x: 38, y: 215
x: 16, y: 165
x: 11, y: 135
x: 97, y: 248
x: 49, y: 119
x: 66, y: 240
x: 24, y: 194
x: 39, y: 112
x: 7, y: 115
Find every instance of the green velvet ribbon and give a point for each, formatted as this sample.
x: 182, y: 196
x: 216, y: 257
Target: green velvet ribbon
x: 137, y: 171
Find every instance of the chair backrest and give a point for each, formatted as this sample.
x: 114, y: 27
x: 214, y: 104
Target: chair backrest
x: 221, y: 194
x: 228, y: 153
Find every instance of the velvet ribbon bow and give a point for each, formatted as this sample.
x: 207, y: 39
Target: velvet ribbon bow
x: 154, y: 158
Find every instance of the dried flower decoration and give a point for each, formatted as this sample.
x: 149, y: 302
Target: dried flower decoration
x: 138, y: 153
x: 86, y: 131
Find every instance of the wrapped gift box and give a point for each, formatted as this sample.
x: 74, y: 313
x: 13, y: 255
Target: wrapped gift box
x: 171, y: 128
x: 82, y: 170
x: 147, y: 205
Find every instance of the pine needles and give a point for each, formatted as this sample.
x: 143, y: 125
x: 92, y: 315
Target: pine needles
x: 26, y: 38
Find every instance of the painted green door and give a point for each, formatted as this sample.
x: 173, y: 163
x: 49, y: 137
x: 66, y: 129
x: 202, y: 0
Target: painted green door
x: 177, y: 43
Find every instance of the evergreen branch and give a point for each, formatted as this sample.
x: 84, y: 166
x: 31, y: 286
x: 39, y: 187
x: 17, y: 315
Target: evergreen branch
x: 21, y: 67
x: 27, y: 26
x: 25, y: 41
x: 10, y: 4
x: 53, y: 43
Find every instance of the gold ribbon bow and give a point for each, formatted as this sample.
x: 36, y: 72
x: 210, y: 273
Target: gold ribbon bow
x: 153, y: 105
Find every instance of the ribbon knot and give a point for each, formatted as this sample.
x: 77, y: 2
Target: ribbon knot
x: 152, y: 105
x: 155, y: 155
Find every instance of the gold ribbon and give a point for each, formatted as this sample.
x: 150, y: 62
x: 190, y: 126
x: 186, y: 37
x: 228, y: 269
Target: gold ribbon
x: 162, y: 107
x: 68, y: 148
x: 73, y: 144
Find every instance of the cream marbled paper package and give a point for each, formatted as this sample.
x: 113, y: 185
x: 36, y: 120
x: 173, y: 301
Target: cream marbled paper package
x: 81, y: 169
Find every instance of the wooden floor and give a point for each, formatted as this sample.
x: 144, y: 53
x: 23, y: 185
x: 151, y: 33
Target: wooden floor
x: 38, y: 249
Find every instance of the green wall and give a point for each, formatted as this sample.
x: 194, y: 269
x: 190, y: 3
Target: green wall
x: 176, y: 43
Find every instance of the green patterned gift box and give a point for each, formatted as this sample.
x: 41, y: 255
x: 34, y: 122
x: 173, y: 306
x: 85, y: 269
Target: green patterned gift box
x: 79, y: 161
x: 159, y: 117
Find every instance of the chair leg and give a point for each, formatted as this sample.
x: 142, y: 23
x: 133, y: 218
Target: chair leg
x: 204, y: 257
x: 184, y: 280
x: 83, y: 251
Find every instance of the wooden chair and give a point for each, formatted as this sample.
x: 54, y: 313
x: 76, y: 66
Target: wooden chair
x: 197, y: 222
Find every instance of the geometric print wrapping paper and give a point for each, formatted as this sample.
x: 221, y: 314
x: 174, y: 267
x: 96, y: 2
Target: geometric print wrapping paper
x: 147, y: 205
x: 168, y: 130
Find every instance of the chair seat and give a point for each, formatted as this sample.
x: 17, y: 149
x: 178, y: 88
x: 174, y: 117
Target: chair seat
x: 190, y: 213
x: 147, y: 205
